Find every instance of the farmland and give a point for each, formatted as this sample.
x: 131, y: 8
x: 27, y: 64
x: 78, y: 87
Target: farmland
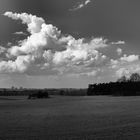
x: 70, y: 118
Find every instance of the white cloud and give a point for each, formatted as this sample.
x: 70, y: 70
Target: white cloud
x: 118, y: 43
x: 128, y: 70
x: 125, y: 65
x: 46, y: 50
x: 91, y: 73
x: 124, y: 60
x: 34, y: 23
x: 2, y: 49
x: 130, y: 58
x: 119, y: 51
x: 78, y: 50
x: 80, y: 5
x: 123, y: 72
x: 20, y: 33
x: 19, y: 65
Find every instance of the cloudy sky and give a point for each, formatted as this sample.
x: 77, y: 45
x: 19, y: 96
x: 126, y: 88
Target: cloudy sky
x: 68, y: 43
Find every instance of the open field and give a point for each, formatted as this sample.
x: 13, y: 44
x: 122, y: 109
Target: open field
x: 70, y: 118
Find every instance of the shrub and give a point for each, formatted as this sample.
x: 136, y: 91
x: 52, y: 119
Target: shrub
x: 38, y: 94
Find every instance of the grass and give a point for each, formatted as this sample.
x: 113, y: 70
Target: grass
x: 70, y: 118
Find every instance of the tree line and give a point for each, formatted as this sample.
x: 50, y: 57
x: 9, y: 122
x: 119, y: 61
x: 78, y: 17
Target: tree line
x: 123, y: 86
x: 22, y: 92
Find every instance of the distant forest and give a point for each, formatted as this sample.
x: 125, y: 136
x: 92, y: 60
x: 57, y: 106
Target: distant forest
x: 122, y: 87
x: 31, y: 92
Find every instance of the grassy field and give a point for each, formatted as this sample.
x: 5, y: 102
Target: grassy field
x: 70, y: 118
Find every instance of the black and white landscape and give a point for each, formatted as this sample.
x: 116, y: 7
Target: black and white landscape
x: 69, y: 69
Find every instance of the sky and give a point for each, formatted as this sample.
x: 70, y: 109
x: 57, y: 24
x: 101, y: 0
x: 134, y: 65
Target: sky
x: 68, y: 43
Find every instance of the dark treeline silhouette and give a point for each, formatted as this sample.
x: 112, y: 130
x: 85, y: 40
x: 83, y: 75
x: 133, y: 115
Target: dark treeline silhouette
x: 21, y: 92
x: 122, y: 87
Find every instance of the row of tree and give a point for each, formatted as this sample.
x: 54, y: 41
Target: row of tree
x: 32, y: 93
x: 123, y: 86
x: 23, y: 92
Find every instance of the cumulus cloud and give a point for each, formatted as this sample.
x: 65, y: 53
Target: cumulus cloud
x: 128, y: 70
x: 20, y: 33
x: 123, y: 72
x: 124, y: 60
x: 34, y: 23
x: 46, y: 49
x: 2, y: 49
x: 19, y: 65
x: 125, y: 65
x: 119, y: 51
x: 118, y: 43
x: 80, y: 5
x: 130, y: 58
